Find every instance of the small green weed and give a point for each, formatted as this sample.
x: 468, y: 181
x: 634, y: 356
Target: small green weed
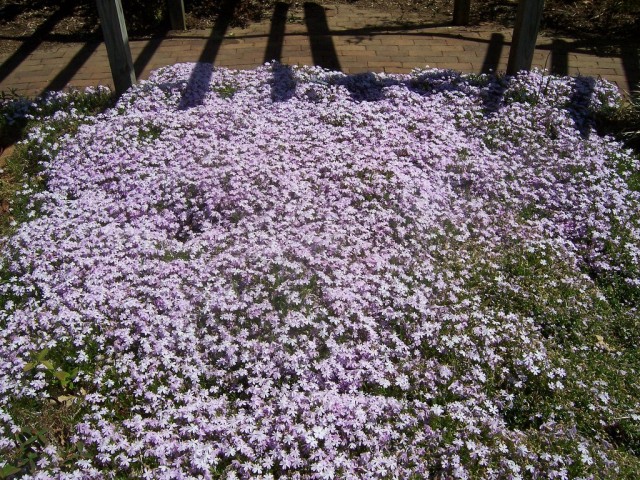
x: 226, y: 90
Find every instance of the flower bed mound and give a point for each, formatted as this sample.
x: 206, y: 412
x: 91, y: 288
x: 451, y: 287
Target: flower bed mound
x: 294, y: 273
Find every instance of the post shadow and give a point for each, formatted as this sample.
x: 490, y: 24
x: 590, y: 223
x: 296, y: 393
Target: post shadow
x: 283, y: 83
x: 79, y: 59
x: 494, y: 51
x: 580, y: 99
x: 75, y: 64
x: 323, y: 50
x: 198, y: 83
x: 34, y: 41
x: 9, y: 12
x: 630, y: 56
x: 559, y: 57
x: 143, y: 59
x: 276, y: 33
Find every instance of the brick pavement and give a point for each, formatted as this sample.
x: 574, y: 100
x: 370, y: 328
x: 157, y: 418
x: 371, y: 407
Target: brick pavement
x: 345, y: 37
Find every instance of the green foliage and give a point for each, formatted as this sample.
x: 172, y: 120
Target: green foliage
x: 19, y: 114
x: 226, y: 90
x: 22, y: 172
x: 149, y: 132
x: 61, y: 378
x: 26, y: 455
x: 49, y: 420
x: 591, y: 334
x: 630, y: 117
x: 623, y: 122
x: 43, y: 423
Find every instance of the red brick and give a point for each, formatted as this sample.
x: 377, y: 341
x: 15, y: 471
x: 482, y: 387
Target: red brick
x: 389, y: 50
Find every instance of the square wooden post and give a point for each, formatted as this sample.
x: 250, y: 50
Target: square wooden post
x: 117, y: 43
x: 525, y: 34
x: 461, y: 9
x: 176, y: 14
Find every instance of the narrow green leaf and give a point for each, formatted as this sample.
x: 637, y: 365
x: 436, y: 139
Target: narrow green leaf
x: 8, y: 470
x: 62, y: 376
x: 48, y: 364
x: 41, y: 434
x: 42, y: 355
x: 29, y: 440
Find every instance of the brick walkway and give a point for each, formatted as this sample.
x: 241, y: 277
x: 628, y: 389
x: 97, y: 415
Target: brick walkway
x: 340, y: 37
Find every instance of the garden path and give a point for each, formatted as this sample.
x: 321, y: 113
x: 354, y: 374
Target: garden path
x: 341, y: 37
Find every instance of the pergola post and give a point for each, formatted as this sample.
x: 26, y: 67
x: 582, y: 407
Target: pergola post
x: 176, y: 14
x: 116, y: 40
x: 525, y: 34
x: 461, y: 9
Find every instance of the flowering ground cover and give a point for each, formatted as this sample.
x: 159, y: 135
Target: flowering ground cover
x: 294, y: 273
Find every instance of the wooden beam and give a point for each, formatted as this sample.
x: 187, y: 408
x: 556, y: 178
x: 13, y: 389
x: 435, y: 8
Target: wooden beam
x: 117, y: 43
x: 525, y: 34
x: 176, y: 14
x: 461, y: 9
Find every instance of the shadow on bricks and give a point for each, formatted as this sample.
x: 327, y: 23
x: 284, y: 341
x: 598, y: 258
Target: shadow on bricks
x: 323, y: 50
x: 276, y: 32
x: 201, y: 75
x: 31, y: 44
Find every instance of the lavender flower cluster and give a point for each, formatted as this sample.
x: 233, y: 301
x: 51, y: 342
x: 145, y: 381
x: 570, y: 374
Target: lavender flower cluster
x: 294, y: 273
x: 14, y: 108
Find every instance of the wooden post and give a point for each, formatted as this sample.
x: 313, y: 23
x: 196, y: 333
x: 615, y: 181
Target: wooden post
x: 525, y: 34
x: 176, y: 14
x: 117, y: 43
x: 461, y: 9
